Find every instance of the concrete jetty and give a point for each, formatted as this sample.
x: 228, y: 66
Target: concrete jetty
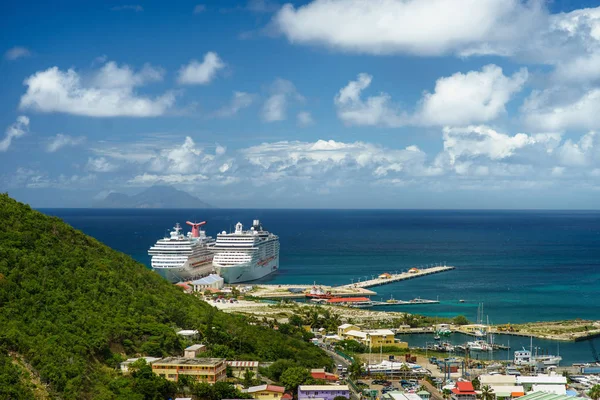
x: 412, y: 273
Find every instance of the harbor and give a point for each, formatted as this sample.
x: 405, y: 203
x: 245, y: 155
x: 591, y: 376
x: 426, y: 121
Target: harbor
x: 387, y: 278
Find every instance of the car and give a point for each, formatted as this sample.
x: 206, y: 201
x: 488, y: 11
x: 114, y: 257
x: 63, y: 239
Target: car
x: 376, y: 381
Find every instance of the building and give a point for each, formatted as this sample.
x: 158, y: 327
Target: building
x: 548, y: 396
x: 424, y: 394
x: 319, y: 373
x: 208, y: 370
x: 463, y: 391
x: 541, y: 379
x: 265, y: 392
x: 194, y: 350
x: 342, y: 329
x: 325, y: 392
x: 397, y: 395
x: 375, y: 338
x: 185, y: 286
x: 503, y: 386
x: 385, y: 275
x: 188, y: 333
x: 238, y: 368
x: 125, y: 364
x: 474, y: 328
x: 211, y: 281
x: 413, y: 271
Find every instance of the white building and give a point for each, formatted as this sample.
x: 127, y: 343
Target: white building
x: 125, y: 364
x: 193, y: 350
x: 211, y: 281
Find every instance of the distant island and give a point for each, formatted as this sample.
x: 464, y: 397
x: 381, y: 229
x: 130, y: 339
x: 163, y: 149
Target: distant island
x: 153, y: 197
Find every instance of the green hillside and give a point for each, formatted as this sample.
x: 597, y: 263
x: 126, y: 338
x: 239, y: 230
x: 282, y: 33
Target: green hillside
x: 73, y: 308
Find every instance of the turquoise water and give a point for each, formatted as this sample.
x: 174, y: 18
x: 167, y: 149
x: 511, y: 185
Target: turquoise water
x: 523, y: 265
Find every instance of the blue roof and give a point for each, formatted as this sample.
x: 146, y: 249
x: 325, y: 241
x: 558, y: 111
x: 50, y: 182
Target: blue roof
x: 207, y: 280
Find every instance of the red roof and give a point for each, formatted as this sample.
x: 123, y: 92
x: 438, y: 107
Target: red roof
x: 347, y: 299
x: 273, y: 388
x: 287, y: 396
x: 328, y: 376
x: 463, y: 388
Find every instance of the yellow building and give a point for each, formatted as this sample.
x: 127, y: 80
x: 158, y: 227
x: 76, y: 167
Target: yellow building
x: 208, y: 370
x: 342, y: 329
x: 374, y: 338
x: 270, y: 392
x: 238, y: 368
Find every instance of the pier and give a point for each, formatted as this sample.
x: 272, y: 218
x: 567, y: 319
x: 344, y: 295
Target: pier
x: 385, y: 279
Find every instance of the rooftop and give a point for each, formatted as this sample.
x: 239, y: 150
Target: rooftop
x: 261, y: 388
x: 345, y: 326
x: 195, y: 347
x: 323, y: 388
x: 207, y: 280
x: 545, y: 396
x: 556, y: 379
x: 190, y: 361
x: 242, y: 363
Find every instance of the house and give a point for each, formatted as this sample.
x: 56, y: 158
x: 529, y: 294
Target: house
x: 424, y: 394
x: 463, y: 391
x: 385, y: 275
x: 325, y: 392
x: 125, y: 364
x: 185, y: 286
x: 208, y: 370
x: 212, y: 281
x: 503, y: 386
x: 342, y: 329
x: 375, y: 338
x: 238, y: 368
x: 265, y: 392
x: 548, y: 396
x: 192, y: 351
x: 319, y: 373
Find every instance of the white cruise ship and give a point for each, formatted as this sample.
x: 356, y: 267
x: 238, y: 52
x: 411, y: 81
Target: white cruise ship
x: 182, y: 257
x: 244, y: 256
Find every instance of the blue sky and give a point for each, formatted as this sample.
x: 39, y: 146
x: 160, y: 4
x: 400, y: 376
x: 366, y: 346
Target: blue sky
x: 337, y: 104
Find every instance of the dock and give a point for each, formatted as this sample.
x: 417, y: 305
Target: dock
x: 404, y: 302
x: 391, y: 278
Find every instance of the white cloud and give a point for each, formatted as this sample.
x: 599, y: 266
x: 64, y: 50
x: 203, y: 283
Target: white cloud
x: 60, y: 140
x: 17, y: 52
x: 375, y: 110
x: 304, y: 118
x: 477, y: 141
x: 199, y: 8
x: 431, y: 27
x: 128, y: 7
x: 581, y: 69
x: 477, y: 96
x: 110, y: 93
x: 581, y: 153
x: 14, y: 131
x: 171, y: 179
x: 275, y: 107
x: 460, y: 99
x: 239, y: 101
x: 201, y: 73
x: 559, y: 108
x: 100, y: 164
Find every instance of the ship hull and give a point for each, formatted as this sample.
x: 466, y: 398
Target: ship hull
x: 184, y: 273
x: 246, y: 272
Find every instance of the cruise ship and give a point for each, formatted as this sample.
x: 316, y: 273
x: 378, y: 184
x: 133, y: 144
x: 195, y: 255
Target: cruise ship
x: 243, y: 256
x: 180, y: 257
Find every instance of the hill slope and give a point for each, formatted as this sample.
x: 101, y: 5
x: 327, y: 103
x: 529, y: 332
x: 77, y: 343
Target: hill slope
x: 153, y: 197
x: 74, y: 308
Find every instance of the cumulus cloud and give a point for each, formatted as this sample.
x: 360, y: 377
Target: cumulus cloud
x: 109, y: 93
x: 14, y: 131
x: 477, y: 96
x: 16, y: 52
x: 60, y: 140
x: 201, y: 73
x: 304, y: 118
x: 580, y: 153
x: 275, y: 107
x: 100, y: 164
x: 460, y: 99
x: 560, y: 108
x: 375, y: 110
x: 239, y: 101
x: 432, y: 27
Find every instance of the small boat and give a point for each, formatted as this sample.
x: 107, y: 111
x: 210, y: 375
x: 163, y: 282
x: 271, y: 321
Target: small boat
x: 319, y: 293
x: 436, y: 337
x: 461, y: 301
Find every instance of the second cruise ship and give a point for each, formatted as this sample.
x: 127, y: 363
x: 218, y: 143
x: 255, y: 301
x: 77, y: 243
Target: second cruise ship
x: 243, y: 256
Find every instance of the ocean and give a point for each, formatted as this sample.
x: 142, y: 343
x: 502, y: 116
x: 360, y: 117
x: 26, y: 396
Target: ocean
x: 522, y: 265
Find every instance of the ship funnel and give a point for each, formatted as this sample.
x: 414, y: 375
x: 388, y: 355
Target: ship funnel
x: 255, y: 222
x: 195, y: 227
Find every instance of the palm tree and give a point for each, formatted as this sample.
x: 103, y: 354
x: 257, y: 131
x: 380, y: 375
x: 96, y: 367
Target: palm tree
x: 594, y: 392
x: 487, y: 393
x: 356, y: 370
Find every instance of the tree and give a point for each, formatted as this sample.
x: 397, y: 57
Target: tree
x: 295, y: 320
x: 340, y: 398
x: 594, y: 392
x: 487, y: 393
x: 294, y: 377
x: 476, y: 383
x: 460, y: 320
x: 248, y: 376
x: 446, y: 393
x: 356, y: 370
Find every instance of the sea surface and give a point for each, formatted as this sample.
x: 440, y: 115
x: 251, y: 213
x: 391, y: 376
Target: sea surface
x: 522, y: 265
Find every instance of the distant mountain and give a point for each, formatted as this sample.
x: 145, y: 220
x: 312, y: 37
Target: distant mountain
x: 153, y: 197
